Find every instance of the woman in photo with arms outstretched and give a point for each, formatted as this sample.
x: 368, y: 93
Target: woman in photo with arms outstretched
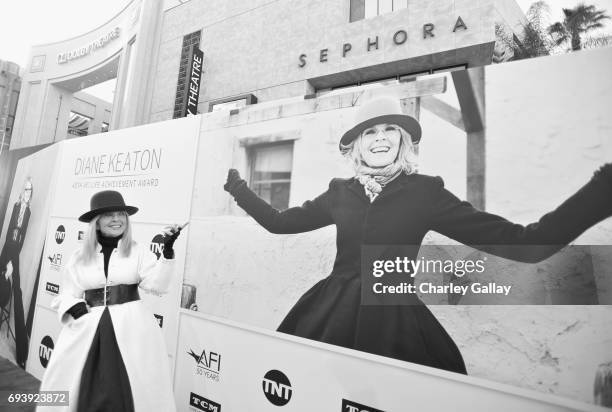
x: 388, y: 203
x: 110, y: 354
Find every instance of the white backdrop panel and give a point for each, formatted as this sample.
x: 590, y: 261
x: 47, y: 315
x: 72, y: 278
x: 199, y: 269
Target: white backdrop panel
x: 222, y: 364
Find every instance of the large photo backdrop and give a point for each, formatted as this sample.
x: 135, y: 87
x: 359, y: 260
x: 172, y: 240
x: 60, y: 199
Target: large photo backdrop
x: 152, y: 166
x: 530, y: 154
x: 544, y: 139
x: 22, y: 239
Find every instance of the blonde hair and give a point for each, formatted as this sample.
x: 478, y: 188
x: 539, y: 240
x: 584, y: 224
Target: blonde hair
x: 90, y: 243
x: 21, y: 195
x: 407, y: 156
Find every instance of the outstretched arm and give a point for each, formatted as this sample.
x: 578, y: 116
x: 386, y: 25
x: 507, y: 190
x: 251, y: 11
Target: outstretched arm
x: 312, y: 215
x: 532, y: 243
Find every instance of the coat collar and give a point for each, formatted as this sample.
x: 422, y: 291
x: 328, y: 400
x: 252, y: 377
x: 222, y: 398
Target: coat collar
x: 395, y: 185
x: 99, y: 246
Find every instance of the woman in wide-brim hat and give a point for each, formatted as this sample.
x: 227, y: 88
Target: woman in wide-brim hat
x: 388, y: 203
x: 110, y: 354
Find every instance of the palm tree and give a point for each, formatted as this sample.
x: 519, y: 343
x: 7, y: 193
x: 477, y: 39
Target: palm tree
x: 576, y: 22
x: 534, y: 41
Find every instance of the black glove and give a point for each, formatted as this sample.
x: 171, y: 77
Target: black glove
x: 169, y: 244
x: 604, y: 174
x: 234, y: 181
x: 77, y: 310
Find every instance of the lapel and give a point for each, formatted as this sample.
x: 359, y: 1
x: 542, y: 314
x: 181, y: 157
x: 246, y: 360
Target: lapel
x: 356, y: 187
x: 394, y: 186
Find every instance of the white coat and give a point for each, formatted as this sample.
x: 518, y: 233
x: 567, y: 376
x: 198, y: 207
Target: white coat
x: 139, y: 337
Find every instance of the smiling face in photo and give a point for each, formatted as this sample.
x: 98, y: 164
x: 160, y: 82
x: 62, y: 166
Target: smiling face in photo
x: 380, y: 144
x: 112, y: 224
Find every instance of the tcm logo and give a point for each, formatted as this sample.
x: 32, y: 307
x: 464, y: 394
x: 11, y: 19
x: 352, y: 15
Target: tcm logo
x: 80, y: 236
x: 157, y: 245
x: 160, y: 319
x: 56, y: 261
x: 277, y: 388
x: 52, y: 288
x: 60, y: 234
x: 202, y: 404
x: 350, y: 406
x: 207, y: 364
x: 45, y: 350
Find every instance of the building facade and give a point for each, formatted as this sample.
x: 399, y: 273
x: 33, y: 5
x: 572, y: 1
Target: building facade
x: 251, y: 52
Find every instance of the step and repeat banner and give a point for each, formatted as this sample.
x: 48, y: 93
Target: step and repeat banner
x: 153, y: 167
x: 226, y: 366
x: 22, y: 240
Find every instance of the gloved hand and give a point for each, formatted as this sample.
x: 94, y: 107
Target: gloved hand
x: 234, y: 181
x: 77, y: 310
x: 604, y: 173
x: 171, y: 233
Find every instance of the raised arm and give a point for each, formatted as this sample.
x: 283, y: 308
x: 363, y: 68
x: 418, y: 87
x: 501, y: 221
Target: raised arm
x: 534, y: 242
x: 312, y: 215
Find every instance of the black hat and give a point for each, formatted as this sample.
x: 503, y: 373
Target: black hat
x: 385, y: 109
x: 106, y: 201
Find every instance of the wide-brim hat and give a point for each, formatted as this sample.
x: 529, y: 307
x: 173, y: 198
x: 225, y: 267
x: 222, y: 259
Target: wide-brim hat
x: 106, y: 201
x: 382, y: 110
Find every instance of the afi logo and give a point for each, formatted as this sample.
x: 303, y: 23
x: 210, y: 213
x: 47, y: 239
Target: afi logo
x: 203, y: 404
x: 350, y: 406
x: 210, y: 361
x: 44, y: 350
x: 277, y: 388
x: 55, y: 259
x: 157, y: 245
x: 60, y: 234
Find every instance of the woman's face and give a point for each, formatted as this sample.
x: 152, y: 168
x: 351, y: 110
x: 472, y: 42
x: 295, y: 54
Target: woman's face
x: 112, y: 224
x: 27, y: 192
x: 380, y: 144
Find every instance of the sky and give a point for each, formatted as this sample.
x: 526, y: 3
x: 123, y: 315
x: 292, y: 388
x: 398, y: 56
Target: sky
x: 29, y: 22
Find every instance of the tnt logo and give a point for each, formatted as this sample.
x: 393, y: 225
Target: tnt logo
x: 350, y: 406
x: 203, y: 404
x: 60, y: 234
x: 45, y: 350
x: 157, y: 245
x: 277, y: 388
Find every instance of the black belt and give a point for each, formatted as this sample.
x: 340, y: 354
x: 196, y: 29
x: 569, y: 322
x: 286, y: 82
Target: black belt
x: 112, y: 295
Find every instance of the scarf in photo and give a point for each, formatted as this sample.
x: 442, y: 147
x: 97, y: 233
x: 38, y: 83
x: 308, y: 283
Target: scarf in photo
x: 374, y: 179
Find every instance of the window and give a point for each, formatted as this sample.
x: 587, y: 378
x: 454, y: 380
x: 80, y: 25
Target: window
x: 373, y: 8
x: 78, y: 125
x: 232, y: 102
x: 271, y: 172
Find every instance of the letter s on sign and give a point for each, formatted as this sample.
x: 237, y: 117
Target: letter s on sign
x: 302, y: 60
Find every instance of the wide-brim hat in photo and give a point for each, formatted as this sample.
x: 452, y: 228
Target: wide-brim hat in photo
x: 382, y: 110
x: 106, y: 201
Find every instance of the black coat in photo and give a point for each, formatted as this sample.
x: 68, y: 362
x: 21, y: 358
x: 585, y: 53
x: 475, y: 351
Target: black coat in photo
x: 406, y: 209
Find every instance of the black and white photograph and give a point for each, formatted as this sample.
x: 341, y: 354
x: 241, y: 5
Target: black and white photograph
x: 347, y: 205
